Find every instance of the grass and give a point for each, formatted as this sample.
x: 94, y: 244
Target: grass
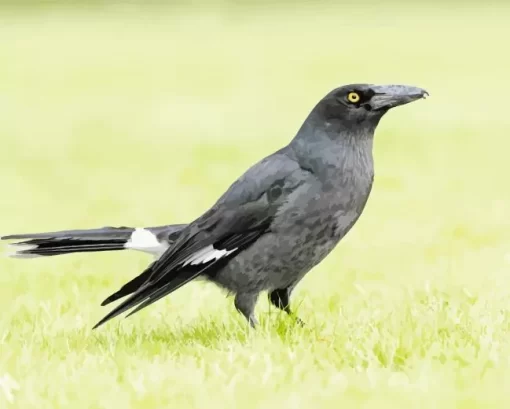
x: 121, y: 116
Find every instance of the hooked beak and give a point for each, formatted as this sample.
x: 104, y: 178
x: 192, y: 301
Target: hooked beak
x: 391, y: 96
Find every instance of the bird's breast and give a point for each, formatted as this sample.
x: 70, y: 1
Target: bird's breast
x: 326, y: 211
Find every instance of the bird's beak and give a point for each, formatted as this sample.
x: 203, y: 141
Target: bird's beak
x: 390, y: 96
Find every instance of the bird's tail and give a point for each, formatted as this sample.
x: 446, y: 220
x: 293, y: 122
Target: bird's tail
x: 69, y: 241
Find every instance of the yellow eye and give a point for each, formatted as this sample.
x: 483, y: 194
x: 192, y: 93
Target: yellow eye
x: 353, y: 97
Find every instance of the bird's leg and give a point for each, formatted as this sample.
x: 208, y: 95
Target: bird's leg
x: 280, y: 298
x: 245, y: 304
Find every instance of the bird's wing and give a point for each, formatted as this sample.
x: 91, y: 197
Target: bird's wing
x: 238, y: 219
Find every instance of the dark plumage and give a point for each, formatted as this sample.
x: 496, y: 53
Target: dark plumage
x: 152, y: 240
x: 276, y: 222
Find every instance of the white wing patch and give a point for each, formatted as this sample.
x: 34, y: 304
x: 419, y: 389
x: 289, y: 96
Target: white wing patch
x: 143, y: 240
x: 205, y: 255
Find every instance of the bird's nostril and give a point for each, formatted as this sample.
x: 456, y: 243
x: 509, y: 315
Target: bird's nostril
x: 368, y: 107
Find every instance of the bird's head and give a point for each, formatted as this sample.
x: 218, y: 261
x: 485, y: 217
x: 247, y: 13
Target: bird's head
x: 361, y: 106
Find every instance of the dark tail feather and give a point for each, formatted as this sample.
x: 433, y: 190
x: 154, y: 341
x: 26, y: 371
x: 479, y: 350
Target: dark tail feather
x: 69, y: 241
x: 129, y: 287
x: 149, y: 293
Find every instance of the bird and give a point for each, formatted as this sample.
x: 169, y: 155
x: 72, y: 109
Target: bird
x: 276, y: 222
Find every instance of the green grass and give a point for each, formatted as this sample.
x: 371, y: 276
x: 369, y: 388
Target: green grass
x: 128, y: 117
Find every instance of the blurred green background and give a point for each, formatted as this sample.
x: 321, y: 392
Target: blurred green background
x: 143, y: 113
